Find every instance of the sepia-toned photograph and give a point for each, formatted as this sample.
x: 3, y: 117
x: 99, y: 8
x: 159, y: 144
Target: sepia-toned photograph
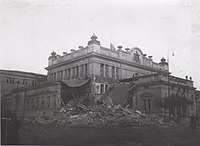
x: 100, y: 72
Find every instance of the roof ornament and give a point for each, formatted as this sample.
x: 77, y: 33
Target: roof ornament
x: 163, y: 61
x: 94, y: 37
x: 94, y: 40
x: 53, y: 53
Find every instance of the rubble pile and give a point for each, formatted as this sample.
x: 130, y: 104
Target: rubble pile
x: 102, y: 115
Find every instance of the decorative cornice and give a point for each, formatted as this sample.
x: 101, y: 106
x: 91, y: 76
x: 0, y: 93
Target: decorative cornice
x: 165, y: 83
x: 94, y: 54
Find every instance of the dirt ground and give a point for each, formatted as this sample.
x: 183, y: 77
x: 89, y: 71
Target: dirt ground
x: 37, y: 134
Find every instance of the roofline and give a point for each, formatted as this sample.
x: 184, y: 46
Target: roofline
x: 139, y: 76
x: 36, y: 86
x: 94, y: 54
x: 18, y: 71
x: 164, y: 83
x: 148, y: 75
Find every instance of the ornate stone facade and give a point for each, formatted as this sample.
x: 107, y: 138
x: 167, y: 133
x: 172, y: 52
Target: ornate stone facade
x: 104, y: 65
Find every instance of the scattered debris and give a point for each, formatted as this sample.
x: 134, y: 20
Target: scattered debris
x: 104, y: 115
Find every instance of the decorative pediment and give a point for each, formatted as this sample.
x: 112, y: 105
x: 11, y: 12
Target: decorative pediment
x: 137, y: 55
x: 146, y: 95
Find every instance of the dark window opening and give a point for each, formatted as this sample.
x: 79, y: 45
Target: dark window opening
x: 48, y: 101
x: 77, y: 71
x: 102, y: 70
x: 106, y: 87
x: 73, y: 72
x: 32, y: 103
x: 42, y: 103
x: 117, y: 72
x: 102, y: 88
x: 107, y: 71
x: 28, y: 104
x: 37, y: 103
x: 81, y: 71
x: 86, y: 70
x: 147, y: 104
x: 61, y: 75
x: 69, y: 74
x: 113, y: 72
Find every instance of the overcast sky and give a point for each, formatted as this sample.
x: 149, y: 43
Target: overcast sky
x: 31, y: 29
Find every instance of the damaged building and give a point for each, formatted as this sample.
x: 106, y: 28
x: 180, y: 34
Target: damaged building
x: 149, y: 94
x: 104, y: 65
x: 88, y: 74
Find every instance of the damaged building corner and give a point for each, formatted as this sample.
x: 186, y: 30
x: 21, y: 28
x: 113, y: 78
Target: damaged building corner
x: 98, y: 76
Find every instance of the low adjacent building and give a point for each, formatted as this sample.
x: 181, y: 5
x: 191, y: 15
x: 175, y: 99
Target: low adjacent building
x: 11, y: 79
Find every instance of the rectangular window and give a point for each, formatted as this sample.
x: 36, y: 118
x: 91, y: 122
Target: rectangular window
x: 107, y: 71
x: 149, y: 104
x: 61, y: 75
x: 117, y: 72
x: 106, y: 87
x: 54, y: 77
x: 69, y: 74
x: 37, y: 103
x: 113, y: 72
x: 33, y: 83
x: 102, y: 88
x: 58, y: 75
x: 54, y: 101
x: 28, y: 103
x: 32, y: 103
x: 77, y: 71
x: 48, y: 101
x: 65, y: 74
x: 51, y: 77
x: 73, y: 72
x: 145, y: 105
x: 24, y: 82
x: 42, y: 103
x: 16, y: 102
x: 102, y: 70
x: 86, y: 70
x: 192, y: 102
x: 81, y: 71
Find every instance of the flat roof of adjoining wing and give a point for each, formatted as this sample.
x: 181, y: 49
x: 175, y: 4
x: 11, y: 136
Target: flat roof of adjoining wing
x: 22, y: 72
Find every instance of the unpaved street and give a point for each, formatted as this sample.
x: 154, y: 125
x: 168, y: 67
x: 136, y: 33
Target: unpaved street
x: 45, y: 134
